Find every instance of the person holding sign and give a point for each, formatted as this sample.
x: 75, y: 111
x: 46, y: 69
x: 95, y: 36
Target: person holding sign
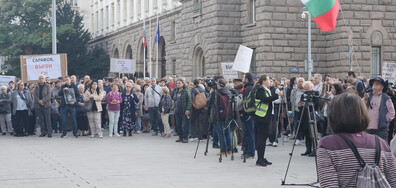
x: 42, y: 105
x: 69, y: 94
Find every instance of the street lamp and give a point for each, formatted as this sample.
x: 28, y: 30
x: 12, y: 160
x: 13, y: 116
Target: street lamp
x: 309, y: 62
x: 54, y: 27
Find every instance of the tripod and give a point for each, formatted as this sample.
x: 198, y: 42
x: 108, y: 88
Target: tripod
x: 309, y: 106
x: 233, y: 123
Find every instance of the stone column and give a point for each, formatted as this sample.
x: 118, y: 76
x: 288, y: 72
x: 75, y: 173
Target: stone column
x: 135, y: 10
x: 142, y: 13
x: 151, y: 8
x: 159, y: 6
x: 170, y: 4
x: 122, y: 8
x: 128, y: 15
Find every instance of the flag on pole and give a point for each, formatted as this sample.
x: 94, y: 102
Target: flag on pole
x: 144, y: 37
x: 324, y: 12
x: 157, y: 39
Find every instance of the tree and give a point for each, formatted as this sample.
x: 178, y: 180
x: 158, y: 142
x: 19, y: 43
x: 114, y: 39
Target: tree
x: 73, y: 39
x: 24, y: 29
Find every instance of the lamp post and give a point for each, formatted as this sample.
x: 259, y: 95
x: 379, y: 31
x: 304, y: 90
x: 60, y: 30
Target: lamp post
x: 309, y: 63
x: 53, y: 26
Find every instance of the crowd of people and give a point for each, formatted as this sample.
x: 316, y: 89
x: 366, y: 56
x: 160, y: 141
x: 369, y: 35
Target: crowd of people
x: 174, y: 107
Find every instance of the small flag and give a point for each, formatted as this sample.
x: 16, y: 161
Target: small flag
x: 144, y: 37
x: 324, y: 12
x: 157, y: 39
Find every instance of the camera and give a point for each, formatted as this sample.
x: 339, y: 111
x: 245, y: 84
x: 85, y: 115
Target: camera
x: 213, y: 82
x: 282, y: 87
x: 390, y: 89
x: 309, y: 96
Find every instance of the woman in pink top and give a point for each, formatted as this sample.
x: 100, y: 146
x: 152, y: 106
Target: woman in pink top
x: 114, y: 100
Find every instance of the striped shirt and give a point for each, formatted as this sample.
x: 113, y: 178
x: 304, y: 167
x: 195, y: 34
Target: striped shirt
x: 337, y: 165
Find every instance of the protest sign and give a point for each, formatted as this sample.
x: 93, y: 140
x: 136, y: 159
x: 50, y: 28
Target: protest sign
x: 123, y: 65
x: 52, y: 66
x: 389, y: 71
x: 243, y: 59
x: 5, y: 79
x: 227, y: 72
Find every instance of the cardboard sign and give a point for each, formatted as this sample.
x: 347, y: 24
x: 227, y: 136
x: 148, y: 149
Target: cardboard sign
x: 52, y: 66
x: 123, y: 65
x: 243, y: 59
x: 227, y: 72
x: 5, y: 79
x: 389, y: 72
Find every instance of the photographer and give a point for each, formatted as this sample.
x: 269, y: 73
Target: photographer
x: 197, y: 114
x: 380, y: 108
x: 262, y: 117
x: 248, y: 143
x: 218, y: 109
x: 392, y: 124
x: 308, y: 96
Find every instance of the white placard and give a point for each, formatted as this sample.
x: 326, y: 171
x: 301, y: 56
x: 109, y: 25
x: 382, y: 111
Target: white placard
x: 123, y: 65
x: 49, y: 66
x: 5, y: 79
x: 389, y: 72
x: 243, y: 59
x: 227, y: 71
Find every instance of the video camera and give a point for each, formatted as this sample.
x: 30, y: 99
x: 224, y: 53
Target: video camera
x: 213, y: 82
x: 309, y: 96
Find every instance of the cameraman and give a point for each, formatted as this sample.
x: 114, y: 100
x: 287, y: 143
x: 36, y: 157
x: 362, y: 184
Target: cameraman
x: 305, y: 122
x: 262, y: 117
x: 380, y: 108
x: 392, y: 124
x: 216, y: 110
x: 248, y: 143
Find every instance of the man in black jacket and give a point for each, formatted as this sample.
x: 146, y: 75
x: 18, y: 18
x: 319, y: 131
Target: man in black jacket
x: 247, y: 120
x: 69, y: 94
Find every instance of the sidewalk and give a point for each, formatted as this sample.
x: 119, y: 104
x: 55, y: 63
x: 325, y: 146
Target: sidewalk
x: 139, y: 161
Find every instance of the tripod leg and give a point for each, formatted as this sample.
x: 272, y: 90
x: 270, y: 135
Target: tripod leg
x: 196, y: 150
x: 210, y: 127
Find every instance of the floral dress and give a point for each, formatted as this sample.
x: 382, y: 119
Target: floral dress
x: 127, y: 120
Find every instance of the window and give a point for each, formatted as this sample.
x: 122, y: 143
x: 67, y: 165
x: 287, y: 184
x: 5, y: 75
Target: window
x: 74, y: 3
x: 253, y: 64
x: 173, y: 31
x: 252, y: 11
x: 173, y: 66
x: 197, y: 6
x: 375, y: 61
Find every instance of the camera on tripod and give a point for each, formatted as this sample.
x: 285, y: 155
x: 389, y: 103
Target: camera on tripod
x: 213, y: 82
x: 309, y: 96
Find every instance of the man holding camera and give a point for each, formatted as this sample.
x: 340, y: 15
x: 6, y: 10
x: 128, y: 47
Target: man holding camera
x: 218, y: 108
x: 380, y: 108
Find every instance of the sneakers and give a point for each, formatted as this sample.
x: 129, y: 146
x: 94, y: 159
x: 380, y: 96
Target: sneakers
x: 117, y: 135
x: 269, y: 144
x: 297, y: 143
x: 185, y: 141
x: 193, y: 139
x: 275, y: 144
x: 63, y: 135
x: 138, y: 132
x: 111, y: 135
x: 286, y: 138
x: 92, y: 136
x: 155, y: 134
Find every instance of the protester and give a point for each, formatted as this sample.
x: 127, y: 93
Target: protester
x: 22, y: 103
x: 69, y: 94
x: 5, y: 111
x: 56, y: 100
x: 42, y: 105
x: 94, y: 95
x: 152, y: 99
x: 295, y: 97
x: 81, y: 115
x: 139, y: 111
x: 337, y: 164
x: 165, y: 107
x: 358, y: 84
x: 183, y: 104
x: 248, y: 143
x: 113, y: 99
x: 128, y: 108
x: 197, y: 115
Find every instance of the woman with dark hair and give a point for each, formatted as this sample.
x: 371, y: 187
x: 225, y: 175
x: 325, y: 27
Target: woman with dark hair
x: 262, y: 116
x: 94, y: 94
x: 146, y: 126
x: 81, y: 115
x: 22, y: 103
x: 128, y: 109
x: 337, y: 164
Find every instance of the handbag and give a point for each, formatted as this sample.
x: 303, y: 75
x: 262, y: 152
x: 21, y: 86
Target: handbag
x: 88, y: 105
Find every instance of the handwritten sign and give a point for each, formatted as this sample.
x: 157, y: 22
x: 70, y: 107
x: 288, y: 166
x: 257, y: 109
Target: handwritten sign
x: 5, y: 79
x: 49, y: 66
x: 123, y: 65
x: 243, y: 59
x: 227, y: 72
x: 389, y: 71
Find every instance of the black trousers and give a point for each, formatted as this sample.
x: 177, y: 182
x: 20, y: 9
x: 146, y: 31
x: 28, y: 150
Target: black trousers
x: 308, y: 139
x: 21, y: 117
x: 262, y: 128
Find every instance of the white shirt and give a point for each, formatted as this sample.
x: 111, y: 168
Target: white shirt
x: 21, y: 104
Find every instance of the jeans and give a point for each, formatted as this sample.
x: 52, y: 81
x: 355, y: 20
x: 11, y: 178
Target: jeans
x: 64, y: 111
x: 215, y: 137
x: 55, y: 122
x: 182, y: 122
x: 113, y: 121
x: 248, y: 136
x: 155, y: 119
x: 44, y: 115
x: 224, y: 136
x: 5, y: 122
x: 138, y: 124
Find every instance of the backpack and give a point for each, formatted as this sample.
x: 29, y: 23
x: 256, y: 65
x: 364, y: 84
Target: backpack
x: 369, y: 176
x: 249, y: 104
x: 199, y: 100
x: 224, y: 99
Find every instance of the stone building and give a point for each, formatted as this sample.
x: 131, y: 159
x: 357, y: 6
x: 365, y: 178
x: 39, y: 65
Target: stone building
x: 196, y: 35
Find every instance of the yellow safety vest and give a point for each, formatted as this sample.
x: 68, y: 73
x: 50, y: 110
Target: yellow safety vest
x: 261, y: 108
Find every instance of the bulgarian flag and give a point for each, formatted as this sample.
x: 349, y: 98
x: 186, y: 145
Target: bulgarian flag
x: 324, y: 12
x: 144, y: 37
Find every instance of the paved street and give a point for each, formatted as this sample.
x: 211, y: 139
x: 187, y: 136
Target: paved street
x: 138, y: 161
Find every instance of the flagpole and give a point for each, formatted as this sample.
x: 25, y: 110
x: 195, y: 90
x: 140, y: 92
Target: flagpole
x: 144, y: 51
x: 156, y: 70
x: 150, y: 64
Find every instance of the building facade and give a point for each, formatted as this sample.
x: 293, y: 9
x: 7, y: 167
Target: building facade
x: 197, y: 35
